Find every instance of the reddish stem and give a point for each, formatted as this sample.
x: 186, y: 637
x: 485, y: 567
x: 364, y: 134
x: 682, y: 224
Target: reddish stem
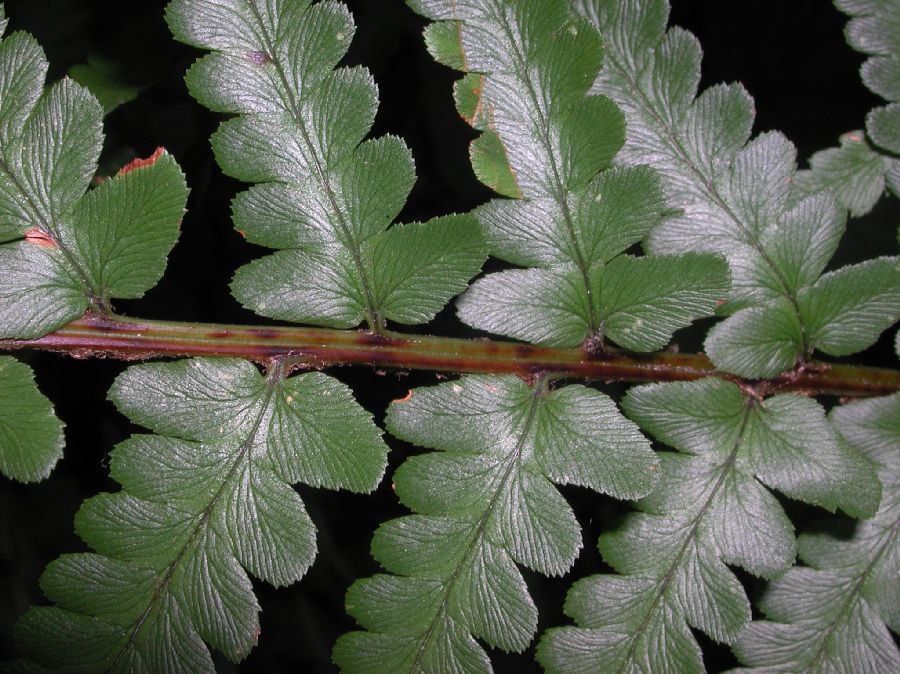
x: 133, y: 339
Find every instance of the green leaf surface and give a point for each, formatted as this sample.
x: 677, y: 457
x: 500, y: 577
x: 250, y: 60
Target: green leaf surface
x: 63, y: 250
x: 639, y: 302
x: 125, y: 228
x: 112, y: 243
x: 854, y: 172
x: 882, y: 75
x: 484, y: 503
x: 442, y: 42
x: 643, y: 300
x: 728, y: 195
x: 847, y: 310
x: 46, y: 169
x: 39, y: 291
x: 536, y: 305
x: 836, y: 612
x: 201, y: 502
x: 546, y: 144
x: 415, y: 270
x: 757, y: 342
x: 104, y: 79
x: 418, y: 268
x: 325, y: 197
x: 883, y: 125
x: 710, y: 509
x: 491, y: 164
x: 872, y: 30
x: 31, y: 437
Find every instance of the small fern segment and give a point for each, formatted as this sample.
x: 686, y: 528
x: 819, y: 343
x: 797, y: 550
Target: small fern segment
x: 874, y: 28
x: 31, y: 437
x: 61, y: 250
x: 734, y: 198
x: 856, y: 173
x: 833, y: 615
x: 866, y: 161
x: 484, y: 503
x: 709, y: 509
x: 324, y: 198
x: 206, y: 498
x: 530, y: 64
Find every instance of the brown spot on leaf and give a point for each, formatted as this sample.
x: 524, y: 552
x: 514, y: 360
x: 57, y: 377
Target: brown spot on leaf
x: 38, y: 237
x: 408, y: 395
x: 259, y: 58
x: 137, y: 162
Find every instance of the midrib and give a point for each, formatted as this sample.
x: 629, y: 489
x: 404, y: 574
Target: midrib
x: 514, y: 457
x: 704, y: 182
x: 272, y: 378
x: 372, y: 316
x: 670, y: 573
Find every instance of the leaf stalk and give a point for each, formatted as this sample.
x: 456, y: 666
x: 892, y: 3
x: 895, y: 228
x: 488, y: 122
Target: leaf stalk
x: 137, y: 339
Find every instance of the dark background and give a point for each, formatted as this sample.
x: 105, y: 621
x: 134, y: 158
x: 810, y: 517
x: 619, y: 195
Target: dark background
x: 791, y: 56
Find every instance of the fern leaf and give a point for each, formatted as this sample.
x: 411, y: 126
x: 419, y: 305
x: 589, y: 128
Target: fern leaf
x: 734, y: 197
x: 31, y: 437
x: 62, y: 250
x: 859, y: 170
x: 325, y: 197
x: 544, y: 141
x: 835, y: 613
x: 483, y: 504
x: 855, y: 172
x: 202, y: 501
x: 874, y: 29
x: 709, y: 509
x: 106, y: 80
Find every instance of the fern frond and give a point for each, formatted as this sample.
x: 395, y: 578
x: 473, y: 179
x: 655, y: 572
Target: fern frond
x: 202, y: 501
x: 734, y: 198
x: 63, y: 251
x: 855, y: 172
x: 710, y: 509
x: 544, y: 141
x: 835, y: 613
x: 31, y: 437
x: 325, y: 197
x: 866, y: 161
x: 483, y: 504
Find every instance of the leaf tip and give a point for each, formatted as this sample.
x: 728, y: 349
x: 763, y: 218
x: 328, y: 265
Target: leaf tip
x: 406, y: 398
